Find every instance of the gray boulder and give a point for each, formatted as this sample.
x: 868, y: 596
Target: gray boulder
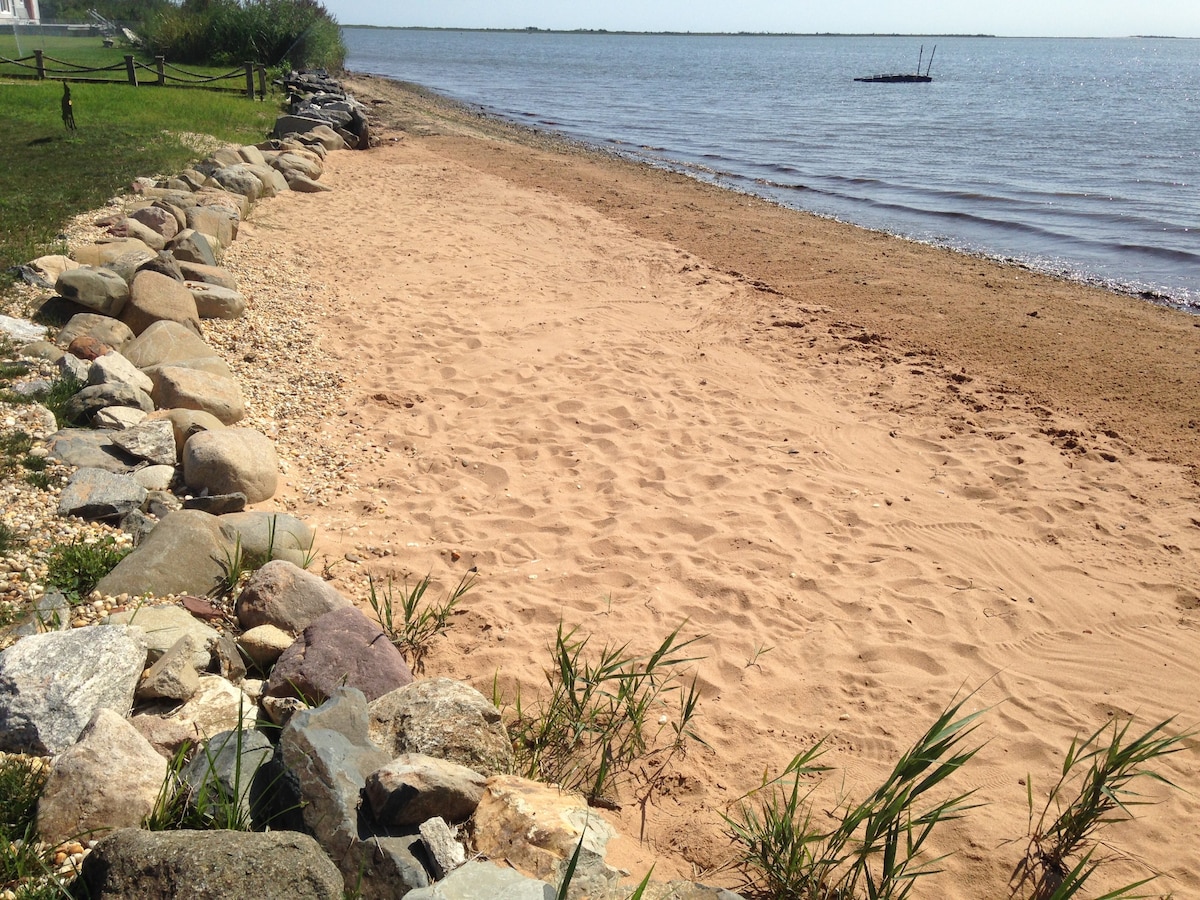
x: 215, y: 222
x: 97, y: 494
x: 186, y: 553
x: 238, y: 179
x: 291, y: 164
x: 208, y: 274
x: 113, y: 368
x: 304, y: 185
x: 341, y: 648
x: 174, y: 675
x: 157, y: 298
x: 192, y: 246
x: 186, y: 422
x: 153, y: 441
x: 153, y: 478
x: 446, y: 719
x: 164, y: 626
x: 96, y: 397
x: 89, y: 449
x: 52, y: 684
x: 478, y: 879
x: 284, y: 595
x: 97, y: 289
x: 158, y: 219
x: 105, y: 329
x: 413, y: 788
x: 210, y: 865
x: 232, y: 767
x: 179, y: 387
x: 274, y: 535
x: 164, y: 343
x: 216, y: 302
x: 328, y: 755
x: 272, y: 181
x: 110, y: 779
x: 164, y: 264
x: 231, y: 460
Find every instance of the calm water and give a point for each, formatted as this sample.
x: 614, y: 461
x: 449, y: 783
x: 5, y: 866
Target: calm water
x: 1077, y: 157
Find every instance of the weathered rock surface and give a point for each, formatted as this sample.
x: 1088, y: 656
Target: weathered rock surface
x: 108, y: 780
x: 341, y: 648
x: 95, y: 288
x: 274, y: 535
x: 264, y: 644
x: 164, y: 625
x: 164, y: 343
x: 478, y: 879
x: 232, y: 460
x: 179, y: 387
x: 282, y: 594
x: 232, y: 765
x: 97, y: 494
x: 153, y: 441
x: 184, y: 554
x: 105, y: 329
x: 114, y: 368
x: 328, y: 753
x: 186, y: 422
x: 413, y: 788
x: 161, y: 221
x: 192, y: 246
x: 210, y: 865
x: 93, y: 449
x: 51, y: 685
x: 215, y: 222
x: 216, y: 302
x: 96, y: 397
x: 157, y: 298
x: 102, y: 253
x: 216, y: 706
x: 208, y: 274
x: 442, y: 718
x: 174, y: 675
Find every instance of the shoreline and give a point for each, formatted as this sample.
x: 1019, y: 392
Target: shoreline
x: 557, y: 368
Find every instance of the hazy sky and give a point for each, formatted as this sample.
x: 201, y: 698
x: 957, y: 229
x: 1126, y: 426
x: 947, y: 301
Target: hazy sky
x: 1050, y: 18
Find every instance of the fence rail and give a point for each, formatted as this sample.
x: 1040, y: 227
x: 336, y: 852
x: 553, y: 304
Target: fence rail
x: 36, y: 67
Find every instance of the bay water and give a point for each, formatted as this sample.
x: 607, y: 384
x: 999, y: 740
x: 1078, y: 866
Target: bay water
x: 1077, y: 157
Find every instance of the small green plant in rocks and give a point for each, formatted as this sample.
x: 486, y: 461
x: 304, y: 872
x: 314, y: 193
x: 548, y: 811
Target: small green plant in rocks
x: 76, y: 568
x: 26, y: 865
x: 410, y: 621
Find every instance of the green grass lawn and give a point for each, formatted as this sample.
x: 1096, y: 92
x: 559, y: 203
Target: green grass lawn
x: 88, y: 52
x: 50, y: 175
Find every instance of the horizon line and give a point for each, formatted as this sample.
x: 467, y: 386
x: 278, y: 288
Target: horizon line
x: 533, y: 29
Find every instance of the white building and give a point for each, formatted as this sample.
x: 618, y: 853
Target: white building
x: 20, y: 11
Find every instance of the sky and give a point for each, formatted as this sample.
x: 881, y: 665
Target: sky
x: 1023, y: 18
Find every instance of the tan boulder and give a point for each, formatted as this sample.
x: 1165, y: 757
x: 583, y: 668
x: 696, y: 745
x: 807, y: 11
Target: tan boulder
x: 178, y: 387
x: 154, y: 297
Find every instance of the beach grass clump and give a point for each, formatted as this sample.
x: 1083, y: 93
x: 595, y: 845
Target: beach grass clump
x: 123, y: 132
x: 601, y: 715
x: 26, y: 864
x: 874, y: 847
x: 75, y: 568
x: 1093, y: 791
x: 413, y: 622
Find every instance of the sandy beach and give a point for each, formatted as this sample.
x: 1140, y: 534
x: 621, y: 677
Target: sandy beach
x: 872, y: 474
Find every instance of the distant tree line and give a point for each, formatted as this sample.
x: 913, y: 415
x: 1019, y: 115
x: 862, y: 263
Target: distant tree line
x: 278, y: 33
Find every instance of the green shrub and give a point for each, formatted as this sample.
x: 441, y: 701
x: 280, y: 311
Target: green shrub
x: 76, y: 568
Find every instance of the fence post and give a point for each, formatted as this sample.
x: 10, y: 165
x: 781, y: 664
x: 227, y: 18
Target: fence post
x: 250, y: 80
x: 41, y: 64
x: 262, y: 82
x: 131, y: 69
x: 160, y: 64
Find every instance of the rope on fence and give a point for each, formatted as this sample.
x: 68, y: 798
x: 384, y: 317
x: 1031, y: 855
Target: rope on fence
x: 130, y: 66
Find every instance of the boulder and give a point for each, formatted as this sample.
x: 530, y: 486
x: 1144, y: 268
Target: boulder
x: 272, y: 181
x: 290, y: 164
x: 131, y: 227
x: 217, y: 504
x: 186, y: 553
x: 211, y: 365
x: 264, y: 644
x: 52, y: 684
x: 105, y: 329
x: 118, y: 418
x: 98, y: 289
x: 164, y: 264
x: 87, y: 348
x: 216, y: 302
x: 158, y: 219
x: 342, y: 648
x: 237, y: 179
x: 158, y: 298
x: 537, y: 827
x: 274, y: 535
x: 210, y: 195
x: 173, y: 676
x: 231, y: 460
x: 110, y: 779
x: 186, y: 422
x: 89, y: 449
x: 164, y: 626
x: 50, y: 267
x: 217, y: 222
x: 413, y: 788
x: 446, y: 719
x: 304, y: 185
x: 113, y: 368
x: 92, y: 399
x: 104, y: 252
x: 284, y: 595
x: 216, y: 706
x: 177, y: 386
x: 153, y: 441
x: 232, y: 767
x: 477, y: 879
x: 153, y: 478
x: 252, y: 155
x: 192, y: 246
x: 210, y: 865
x: 327, y: 753
x: 208, y: 274
x: 97, y: 494
x: 164, y: 343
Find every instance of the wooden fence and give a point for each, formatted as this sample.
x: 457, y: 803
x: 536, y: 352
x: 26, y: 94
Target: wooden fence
x: 161, y: 74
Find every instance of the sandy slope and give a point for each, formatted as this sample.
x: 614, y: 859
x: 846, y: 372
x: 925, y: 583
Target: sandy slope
x: 625, y: 433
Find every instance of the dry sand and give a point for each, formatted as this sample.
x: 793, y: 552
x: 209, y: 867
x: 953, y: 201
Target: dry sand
x: 863, y: 468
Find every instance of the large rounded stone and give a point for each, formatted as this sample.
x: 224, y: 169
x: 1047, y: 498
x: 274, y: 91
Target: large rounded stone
x: 158, y: 219
x: 232, y: 460
x: 104, y: 252
x: 186, y: 553
x: 154, y: 297
x: 105, y: 329
x: 216, y: 302
x: 214, y: 221
x: 342, y: 648
x: 164, y: 343
x: 186, y: 422
x: 97, y: 289
x: 284, y: 595
x: 177, y: 386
